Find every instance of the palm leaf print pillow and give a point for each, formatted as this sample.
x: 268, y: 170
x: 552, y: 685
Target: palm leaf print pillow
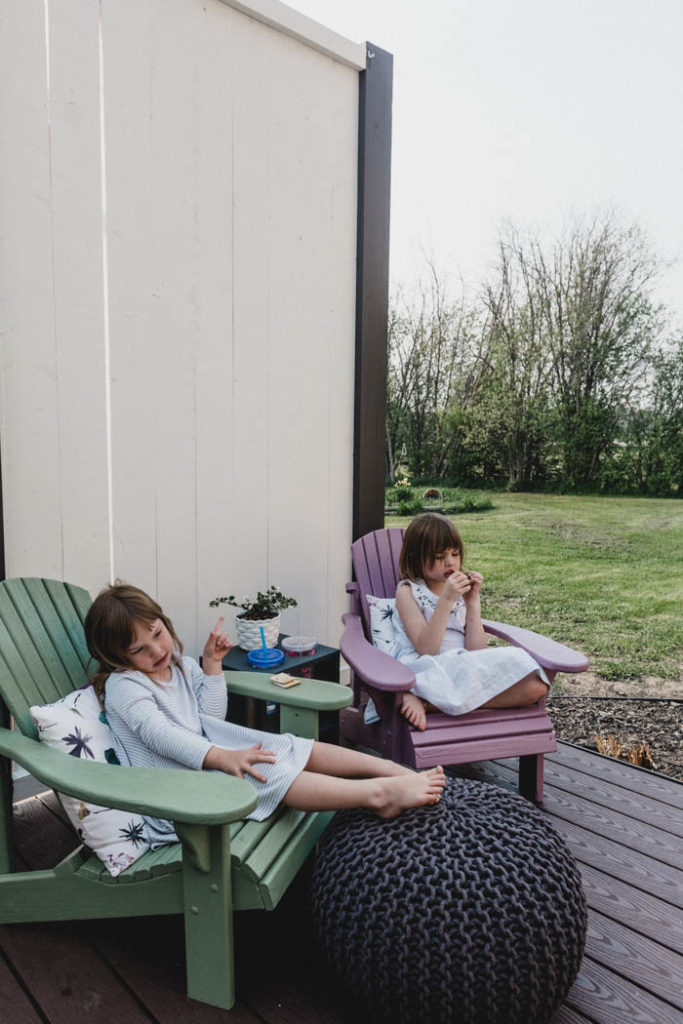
x: 382, y: 611
x: 77, y: 725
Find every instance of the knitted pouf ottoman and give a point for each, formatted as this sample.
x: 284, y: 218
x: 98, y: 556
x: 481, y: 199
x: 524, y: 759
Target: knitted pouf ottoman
x: 469, y: 912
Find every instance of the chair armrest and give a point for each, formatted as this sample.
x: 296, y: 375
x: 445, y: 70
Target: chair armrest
x: 315, y: 694
x: 548, y: 653
x: 353, y: 590
x: 200, y: 798
x: 373, y: 667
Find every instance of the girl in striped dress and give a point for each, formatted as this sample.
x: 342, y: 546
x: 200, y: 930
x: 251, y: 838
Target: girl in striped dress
x: 167, y: 712
x: 440, y: 635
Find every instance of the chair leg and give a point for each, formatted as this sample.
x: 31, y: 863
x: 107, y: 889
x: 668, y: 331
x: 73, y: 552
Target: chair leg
x: 531, y: 777
x: 208, y: 922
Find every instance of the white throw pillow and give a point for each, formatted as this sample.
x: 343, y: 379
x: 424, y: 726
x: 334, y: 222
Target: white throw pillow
x: 77, y: 725
x: 382, y: 630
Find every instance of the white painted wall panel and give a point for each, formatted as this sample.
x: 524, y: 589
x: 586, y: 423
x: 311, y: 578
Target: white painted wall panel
x: 230, y: 160
x: 30, y: 417
x: 77, y: 240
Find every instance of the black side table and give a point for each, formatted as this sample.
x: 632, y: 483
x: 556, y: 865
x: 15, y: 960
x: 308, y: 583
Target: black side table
x: 323, y: 664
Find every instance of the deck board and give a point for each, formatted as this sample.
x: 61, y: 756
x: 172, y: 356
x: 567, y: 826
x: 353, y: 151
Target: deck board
x: 649, y: 964
x: 616, y: 797
x: 622, y: 824
x: 607, y: 998
x: 646, y: 914
x: 16, y: 1004
x: 658, y: 787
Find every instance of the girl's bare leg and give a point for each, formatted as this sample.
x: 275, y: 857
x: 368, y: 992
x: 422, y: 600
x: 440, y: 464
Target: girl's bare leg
x: 328, y: 759
x: 521, y: 694
x: 387, y: 796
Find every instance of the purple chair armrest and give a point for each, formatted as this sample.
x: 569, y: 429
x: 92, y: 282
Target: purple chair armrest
x: 374, y: 667
x: 354, y: 592
x: 548, y: 653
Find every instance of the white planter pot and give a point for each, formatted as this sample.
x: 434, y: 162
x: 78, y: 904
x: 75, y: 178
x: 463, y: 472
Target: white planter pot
x: 249, y: 632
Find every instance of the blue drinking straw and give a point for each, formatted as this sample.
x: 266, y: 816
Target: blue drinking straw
x: 263, y: 637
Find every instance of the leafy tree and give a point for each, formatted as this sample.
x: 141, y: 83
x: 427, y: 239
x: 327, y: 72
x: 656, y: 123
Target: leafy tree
x: 573, y: 325
x: 429, y: 370
x: 556, y: 376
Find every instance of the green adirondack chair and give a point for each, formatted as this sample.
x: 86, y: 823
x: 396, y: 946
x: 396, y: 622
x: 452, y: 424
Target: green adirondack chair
x: 222, y: 862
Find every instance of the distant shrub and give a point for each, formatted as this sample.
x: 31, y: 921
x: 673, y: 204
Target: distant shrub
x: 405, y: 501
x: 410, y: 508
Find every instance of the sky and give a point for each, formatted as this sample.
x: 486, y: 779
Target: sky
x: 526, y: 111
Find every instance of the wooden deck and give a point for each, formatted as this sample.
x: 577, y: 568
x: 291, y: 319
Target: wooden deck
x: 624, y: 825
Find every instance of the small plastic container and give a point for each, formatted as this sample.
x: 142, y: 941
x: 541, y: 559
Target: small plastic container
x: 265, y: 657
x: 300, y: 647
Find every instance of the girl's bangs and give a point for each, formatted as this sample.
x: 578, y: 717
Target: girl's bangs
x: 442, y: 536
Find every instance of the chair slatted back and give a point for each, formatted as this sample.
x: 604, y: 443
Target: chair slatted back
x: 375, y: 565
x: 42, y: 645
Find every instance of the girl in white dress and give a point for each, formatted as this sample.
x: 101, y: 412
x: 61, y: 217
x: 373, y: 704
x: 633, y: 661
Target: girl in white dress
x: 165, y: 711
x: 440, y: 634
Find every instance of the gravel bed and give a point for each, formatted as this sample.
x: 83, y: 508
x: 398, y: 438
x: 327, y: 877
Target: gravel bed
x: 632, y: 721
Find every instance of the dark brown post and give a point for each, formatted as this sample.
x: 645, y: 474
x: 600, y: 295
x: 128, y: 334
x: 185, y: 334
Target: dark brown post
x: 372, y: 290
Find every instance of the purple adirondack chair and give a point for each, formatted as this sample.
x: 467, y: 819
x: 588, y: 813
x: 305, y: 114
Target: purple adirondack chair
x: 526, y: 733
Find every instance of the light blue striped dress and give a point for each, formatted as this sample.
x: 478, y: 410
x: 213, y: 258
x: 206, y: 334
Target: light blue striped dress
x: 174, y: 724
x: 455, y: 680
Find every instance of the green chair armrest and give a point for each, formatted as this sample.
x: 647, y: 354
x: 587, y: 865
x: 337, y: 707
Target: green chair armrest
x: 200, y: 798
x: 310, y: 693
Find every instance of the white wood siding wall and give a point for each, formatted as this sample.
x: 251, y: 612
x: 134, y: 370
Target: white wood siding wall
x: 177, y: 288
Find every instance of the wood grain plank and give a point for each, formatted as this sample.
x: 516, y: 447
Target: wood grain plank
x: 148, y: 955
x: 298, y: 987
x: 631, y: 907
x: 636, y: 780
x: 565, y: 1015
x: 645, y: 962
x: 636, y: 869
x: 607, y: 998
x: 17, y: 1008
x: 41, y: 838
x: 629, y: 832
x: 67, y: 979
x: 51, y: 803
x: 608, y: 794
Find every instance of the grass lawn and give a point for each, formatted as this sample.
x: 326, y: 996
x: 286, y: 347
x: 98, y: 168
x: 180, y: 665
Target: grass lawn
x: 604, y: 575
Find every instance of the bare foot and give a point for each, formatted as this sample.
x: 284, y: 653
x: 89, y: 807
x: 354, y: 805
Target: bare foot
x: 413, y: 709
x: 399, y: 793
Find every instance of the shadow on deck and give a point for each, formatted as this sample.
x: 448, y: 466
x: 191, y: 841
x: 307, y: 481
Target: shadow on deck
x: 624, y: 826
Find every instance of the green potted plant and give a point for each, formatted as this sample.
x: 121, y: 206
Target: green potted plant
x: 260, y: 612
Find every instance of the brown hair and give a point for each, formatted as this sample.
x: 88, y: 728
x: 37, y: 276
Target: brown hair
x: 425, y: 537
x: 110, y: 628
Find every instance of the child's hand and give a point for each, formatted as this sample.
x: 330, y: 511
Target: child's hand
x: 457, y: 585
x: 239, y: 762
x: 215, y: 649
x: 473, y: 594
